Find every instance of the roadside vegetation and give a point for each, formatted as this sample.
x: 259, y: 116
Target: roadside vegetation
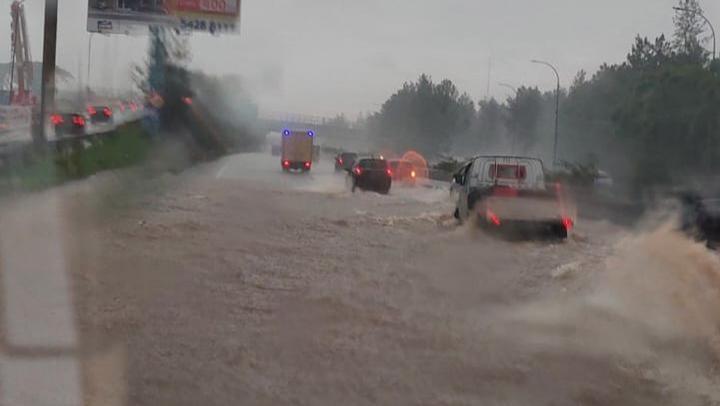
x: 76, y: 159
x: 652, y: 120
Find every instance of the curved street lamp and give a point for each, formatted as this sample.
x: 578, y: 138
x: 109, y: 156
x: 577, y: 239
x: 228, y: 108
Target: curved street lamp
x: 557, y: 107
x: 712, y: 29
x: 511, y: 87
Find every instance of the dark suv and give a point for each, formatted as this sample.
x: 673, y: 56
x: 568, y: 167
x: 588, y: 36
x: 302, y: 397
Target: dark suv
x: 344, y: 161
x: 372, y: 174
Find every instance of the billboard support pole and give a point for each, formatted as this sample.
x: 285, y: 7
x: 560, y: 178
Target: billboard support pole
x: 47, y: 92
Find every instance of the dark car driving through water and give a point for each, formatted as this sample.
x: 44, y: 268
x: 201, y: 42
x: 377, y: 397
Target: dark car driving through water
x: 344, y: 161
x: 700, y: 218
x: 403, y: 171
x: 371, y: 174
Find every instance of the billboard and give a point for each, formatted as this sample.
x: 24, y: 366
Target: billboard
x: 132, y: 16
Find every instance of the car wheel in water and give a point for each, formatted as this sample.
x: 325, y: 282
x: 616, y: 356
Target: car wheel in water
x: 560, y: 232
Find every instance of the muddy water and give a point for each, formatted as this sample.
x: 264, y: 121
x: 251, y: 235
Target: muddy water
x: 372, y: 299
x: 257, y: 288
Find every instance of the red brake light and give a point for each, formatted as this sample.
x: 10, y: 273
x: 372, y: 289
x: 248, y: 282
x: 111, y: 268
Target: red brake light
x: 91, y: 110
x: 568, y: 223
x: 358, y: 171
x: 286, y: 163
x: 187, y: 100
x: 389, y: 172
x: 340, y: 161
x: 78, y: 121
x: 56, y: 119
x: 107, y: 112
x: 493, y: 218
x: 307, y: 165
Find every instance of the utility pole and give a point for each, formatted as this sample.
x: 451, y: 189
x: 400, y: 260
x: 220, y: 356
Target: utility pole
x: 47, y: 92
x: 557, y: 108
x: 14, y: 50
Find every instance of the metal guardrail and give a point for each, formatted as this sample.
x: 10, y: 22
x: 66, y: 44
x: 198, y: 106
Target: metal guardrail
x: 16, y: 130
x: 15, y: 118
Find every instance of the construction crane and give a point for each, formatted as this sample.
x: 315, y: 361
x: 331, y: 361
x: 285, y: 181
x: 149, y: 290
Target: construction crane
x: 22, y: 65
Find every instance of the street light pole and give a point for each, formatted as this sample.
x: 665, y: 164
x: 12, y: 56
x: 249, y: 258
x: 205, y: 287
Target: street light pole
x: 87, y: 77
x: 511, y: 87
x: 707, y: 20
x: 557, y: 107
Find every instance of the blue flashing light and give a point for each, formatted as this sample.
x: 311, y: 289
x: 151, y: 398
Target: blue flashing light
x: 311, y: 133
x: 286, y: 132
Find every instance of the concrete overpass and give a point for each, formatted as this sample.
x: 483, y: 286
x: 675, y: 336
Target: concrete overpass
x: 328, y: 133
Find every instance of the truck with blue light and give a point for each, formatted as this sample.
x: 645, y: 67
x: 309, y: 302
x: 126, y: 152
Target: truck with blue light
x: 297, y: 150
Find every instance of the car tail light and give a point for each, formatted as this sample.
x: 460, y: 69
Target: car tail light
x: 340, y: 161
x: 413, y: 174
x: 307, y: 165
x: 568, y: 223
x: 493, y: 218
x: 78, y: 121
x: 107, y: 112
x: 187, y: 100
x: 389, y: 172
x: 57, y: 119
x: 286, y: 164
x: 91, y: 110
x: 358, y: 171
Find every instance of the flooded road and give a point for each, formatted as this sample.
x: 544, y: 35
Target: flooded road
x: 235, y: 283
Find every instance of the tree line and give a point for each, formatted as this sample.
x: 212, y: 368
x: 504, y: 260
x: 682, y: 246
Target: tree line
x: 652, y: 119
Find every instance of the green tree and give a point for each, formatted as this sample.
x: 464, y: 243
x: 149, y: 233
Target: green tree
x: 689, y: 28
x: 423, y: 116
x: 492, y: 130
x: 524, y: 111
x: 646, y: 55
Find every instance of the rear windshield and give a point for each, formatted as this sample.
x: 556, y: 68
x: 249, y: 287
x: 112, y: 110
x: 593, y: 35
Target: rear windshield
x: 501, y: 171
x: 373, y: 164
x: 348, y: 156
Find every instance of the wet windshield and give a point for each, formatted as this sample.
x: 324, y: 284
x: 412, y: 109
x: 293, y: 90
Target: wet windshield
x: 332, y: 202
x: 373, y: 164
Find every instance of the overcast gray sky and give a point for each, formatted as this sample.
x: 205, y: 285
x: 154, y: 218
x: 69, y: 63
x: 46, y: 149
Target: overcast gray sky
x: 330, y: 56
